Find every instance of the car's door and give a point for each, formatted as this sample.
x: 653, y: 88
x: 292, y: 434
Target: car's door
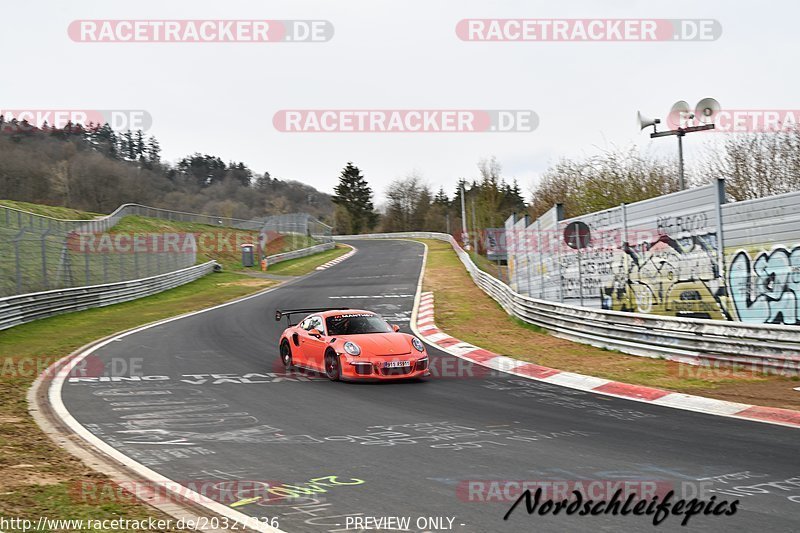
x: 313, y: 348
x: 299, y: 336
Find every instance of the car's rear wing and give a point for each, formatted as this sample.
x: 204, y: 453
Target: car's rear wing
x: 289, y: 312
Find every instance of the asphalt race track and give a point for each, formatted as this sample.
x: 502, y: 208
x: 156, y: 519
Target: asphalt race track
x: 213, y: 405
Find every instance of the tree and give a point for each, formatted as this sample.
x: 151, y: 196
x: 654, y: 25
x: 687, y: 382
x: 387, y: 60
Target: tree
x: 92, y: 168
x: 441, y: 198
x: 755, y: 165
x: 354, y: 196
x: 204, y: 169
x: 139, y: 145
x: 153, y: 151
x: 129, y: 143
x: 239, y: 173
x: 603, y: 181
x: 409, y: 202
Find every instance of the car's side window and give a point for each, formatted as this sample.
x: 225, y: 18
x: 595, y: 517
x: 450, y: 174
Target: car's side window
x: 306, y: 324
x: 315, y: 322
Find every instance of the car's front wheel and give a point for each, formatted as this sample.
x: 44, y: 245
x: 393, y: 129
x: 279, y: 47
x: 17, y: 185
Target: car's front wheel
x: 286, y: 354
x: 332, y: 369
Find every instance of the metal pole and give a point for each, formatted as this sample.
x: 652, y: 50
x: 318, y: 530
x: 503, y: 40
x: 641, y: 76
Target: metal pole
x: 541, y: 258
x: 447, y: 222
x: 86, y: 268
x: 44, y: 259
x: 17, y: 260
x: 528, y: 254
x: 680, y: 161
x: 464, y: 236
x: 625, y: 244
x: 559, y: 216
x: 580, y: 275
x: 721, y: 199
x: 474, y: 227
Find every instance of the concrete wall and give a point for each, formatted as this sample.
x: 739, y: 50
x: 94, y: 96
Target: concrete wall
x: 686, y: 254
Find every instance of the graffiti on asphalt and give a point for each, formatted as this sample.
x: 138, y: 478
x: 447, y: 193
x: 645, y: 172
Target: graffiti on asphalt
x: 290, y: 491
x: 450, y: 436
x: 567, y: 398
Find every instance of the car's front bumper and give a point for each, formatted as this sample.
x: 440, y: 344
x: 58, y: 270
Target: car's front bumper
x: 375, y: 369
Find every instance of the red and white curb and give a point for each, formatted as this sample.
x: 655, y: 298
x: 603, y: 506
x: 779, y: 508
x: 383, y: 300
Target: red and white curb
x: 427, y: 331
x: 338, y: 260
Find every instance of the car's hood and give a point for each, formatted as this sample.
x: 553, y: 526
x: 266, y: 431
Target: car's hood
x: 381, y: 343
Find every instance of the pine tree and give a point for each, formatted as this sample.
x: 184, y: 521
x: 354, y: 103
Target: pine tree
x: 153, y: 151
x: 354, y: 196
x: 441, y: 198
x: 139, y: 145
x: 130, y: 144
x: 122, y: 145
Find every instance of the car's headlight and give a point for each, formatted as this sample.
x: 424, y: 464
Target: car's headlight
x: 417, y: 344
x: 352, y: 348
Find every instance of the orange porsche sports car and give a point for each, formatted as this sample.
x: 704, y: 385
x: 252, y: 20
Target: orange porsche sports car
x: 350, y: 344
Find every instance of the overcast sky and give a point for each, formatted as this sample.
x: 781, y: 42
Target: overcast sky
x: 220, y: 98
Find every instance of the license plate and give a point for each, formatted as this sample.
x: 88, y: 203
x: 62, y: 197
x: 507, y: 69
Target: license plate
x: 396, y: 364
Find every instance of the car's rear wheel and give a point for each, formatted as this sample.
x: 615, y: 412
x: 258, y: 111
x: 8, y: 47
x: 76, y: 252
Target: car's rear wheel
x: 286, y: 354
x: 332, y: 369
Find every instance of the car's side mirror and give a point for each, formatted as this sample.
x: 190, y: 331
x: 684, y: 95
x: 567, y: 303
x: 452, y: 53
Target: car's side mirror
x: 395, y: 327
x: 315, y: 333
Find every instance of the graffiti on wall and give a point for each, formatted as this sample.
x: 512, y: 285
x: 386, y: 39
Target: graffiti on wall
x: 766, y: 290
x: 677, y: 277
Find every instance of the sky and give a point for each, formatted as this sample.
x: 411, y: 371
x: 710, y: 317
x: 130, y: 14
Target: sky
x: 220, y: 98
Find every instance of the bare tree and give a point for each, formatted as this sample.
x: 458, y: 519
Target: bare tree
x: 755, y: 165
x: 409, y: 199
x: 603, y: 181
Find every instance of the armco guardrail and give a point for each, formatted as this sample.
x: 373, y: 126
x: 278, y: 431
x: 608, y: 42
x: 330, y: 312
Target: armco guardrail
x: 19, y: 309
x: 688, y: 340
x: 294, y: 254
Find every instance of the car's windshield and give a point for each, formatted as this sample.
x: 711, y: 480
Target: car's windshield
x: 356, y: 324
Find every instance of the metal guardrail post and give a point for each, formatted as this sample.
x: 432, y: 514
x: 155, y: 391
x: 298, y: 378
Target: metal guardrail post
x: 626, y: 260
x: 105, y: 268
x: 559, y: 240
x: 86, y: 269
x: 721, y: 199
x: 18, y: 276
x: 541, y: 257
x: 44, y: 258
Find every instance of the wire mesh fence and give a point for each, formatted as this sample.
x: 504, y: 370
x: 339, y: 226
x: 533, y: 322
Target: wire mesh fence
x: 32, y: 261
x: 39, y: 253
x: 297, y: 223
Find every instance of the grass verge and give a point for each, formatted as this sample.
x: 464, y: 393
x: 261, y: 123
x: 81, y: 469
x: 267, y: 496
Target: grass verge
x: 304, y: 265
x: 39, y: 477
x: 64, y: 213
x: 467, y: 313
x: 219, y: 243
x: 493, y: 269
